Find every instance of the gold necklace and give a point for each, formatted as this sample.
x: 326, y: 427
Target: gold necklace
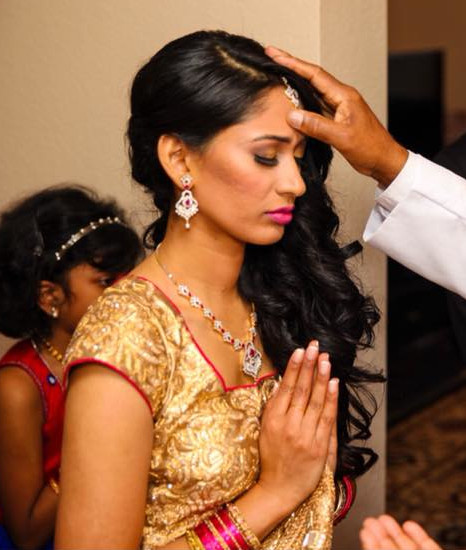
x: 252, y: 357
x: 52, y: 350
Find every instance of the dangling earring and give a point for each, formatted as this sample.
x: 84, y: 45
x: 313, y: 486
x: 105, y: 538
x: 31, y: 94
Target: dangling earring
x: 54, y: 312
x: 186, y: 206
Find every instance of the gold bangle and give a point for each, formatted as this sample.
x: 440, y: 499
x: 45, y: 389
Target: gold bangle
x: 341, y: 500
x: 193, y: 541
x: 54, y: 486
x: 248, y: 535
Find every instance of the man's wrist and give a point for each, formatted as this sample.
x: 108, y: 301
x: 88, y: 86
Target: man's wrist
x: 394, y: 158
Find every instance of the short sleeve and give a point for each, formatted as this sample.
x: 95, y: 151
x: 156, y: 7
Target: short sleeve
x: 129, y: 330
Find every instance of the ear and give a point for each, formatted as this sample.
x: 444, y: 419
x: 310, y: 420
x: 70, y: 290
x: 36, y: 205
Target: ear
x: 51, y: 297
x: 174, y: 156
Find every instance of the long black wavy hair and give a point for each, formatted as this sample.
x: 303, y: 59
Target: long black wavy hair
x: 32, y: 230
x: 193, y: 88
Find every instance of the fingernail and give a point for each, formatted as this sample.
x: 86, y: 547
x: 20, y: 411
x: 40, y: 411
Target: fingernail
x: 312, y: 350
x: 295, y: 118
x: 333, y: 385
x: 297, y: 356
x: 324, y: 368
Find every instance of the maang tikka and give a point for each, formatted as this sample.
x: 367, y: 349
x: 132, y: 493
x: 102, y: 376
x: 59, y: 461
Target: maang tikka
x: 186, y: 206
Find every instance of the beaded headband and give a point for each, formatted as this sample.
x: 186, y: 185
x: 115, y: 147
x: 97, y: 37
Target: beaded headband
x: 291, y: 93
x: 83, y: 232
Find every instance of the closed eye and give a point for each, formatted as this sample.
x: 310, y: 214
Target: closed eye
x: 267, y: 161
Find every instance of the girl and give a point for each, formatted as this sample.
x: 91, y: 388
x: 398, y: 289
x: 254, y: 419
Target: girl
x: 59, y: 249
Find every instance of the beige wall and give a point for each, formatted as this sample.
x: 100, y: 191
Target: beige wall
x: 66, y: 69
x: 433, y: 24
x: 353, y: 45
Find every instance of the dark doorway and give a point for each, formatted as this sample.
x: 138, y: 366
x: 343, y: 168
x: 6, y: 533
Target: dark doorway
x: 423, y: 357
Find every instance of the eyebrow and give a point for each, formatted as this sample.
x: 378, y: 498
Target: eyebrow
x: 281, y: 139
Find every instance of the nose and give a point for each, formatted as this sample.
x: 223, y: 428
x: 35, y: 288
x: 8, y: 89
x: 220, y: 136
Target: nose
x: 291, y: 182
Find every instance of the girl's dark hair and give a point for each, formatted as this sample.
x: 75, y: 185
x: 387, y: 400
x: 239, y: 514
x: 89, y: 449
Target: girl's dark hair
x: 195, y: 87
x: 32, y: 230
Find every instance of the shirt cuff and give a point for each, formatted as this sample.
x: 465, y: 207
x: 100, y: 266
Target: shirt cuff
x: 386, y: 201
x: 400, y: 187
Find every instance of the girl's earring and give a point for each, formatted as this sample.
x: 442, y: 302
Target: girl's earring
x: 186, y: 206
x: 54, y: 312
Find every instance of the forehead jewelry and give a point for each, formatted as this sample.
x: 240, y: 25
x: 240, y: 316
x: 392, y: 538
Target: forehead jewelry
x: 85, y: 231
x: 291, y: 93
x: 252, y: 357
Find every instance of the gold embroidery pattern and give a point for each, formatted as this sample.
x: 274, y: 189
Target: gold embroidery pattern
x: 310, y: 527
x: 134, y: 334
x: 205, y: 450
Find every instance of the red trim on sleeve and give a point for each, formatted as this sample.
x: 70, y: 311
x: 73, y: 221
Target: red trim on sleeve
x: 93, y: 361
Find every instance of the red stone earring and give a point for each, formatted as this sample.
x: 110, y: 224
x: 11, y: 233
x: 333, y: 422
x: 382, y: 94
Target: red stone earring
x: 186, y: 206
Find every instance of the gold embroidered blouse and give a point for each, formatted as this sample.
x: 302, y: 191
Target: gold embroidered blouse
x: 205, y: 446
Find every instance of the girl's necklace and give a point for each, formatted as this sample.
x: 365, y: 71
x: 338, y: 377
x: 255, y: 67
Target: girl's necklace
x: 252, y: 357
x: 52, y: 350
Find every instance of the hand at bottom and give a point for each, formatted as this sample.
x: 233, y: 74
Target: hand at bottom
x: 385, y: 533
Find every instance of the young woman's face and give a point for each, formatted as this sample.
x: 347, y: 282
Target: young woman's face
x: 247, y: 179
x: 85, y: 285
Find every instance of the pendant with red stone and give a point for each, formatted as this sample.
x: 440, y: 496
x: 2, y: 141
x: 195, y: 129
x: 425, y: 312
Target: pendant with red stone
x: 252, y: 357
x: 186, y: 206
x: 252, y: 360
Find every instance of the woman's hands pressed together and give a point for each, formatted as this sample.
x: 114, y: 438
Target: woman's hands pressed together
x: 298, y: 437
x: 298, y: 433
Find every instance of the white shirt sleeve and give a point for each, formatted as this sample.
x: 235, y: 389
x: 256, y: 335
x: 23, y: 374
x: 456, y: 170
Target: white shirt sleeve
x: 420, y: 221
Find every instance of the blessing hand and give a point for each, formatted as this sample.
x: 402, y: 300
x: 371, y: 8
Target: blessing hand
x: 354, y: 129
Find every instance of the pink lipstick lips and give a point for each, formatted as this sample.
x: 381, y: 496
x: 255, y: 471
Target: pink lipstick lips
x: 282, y: 216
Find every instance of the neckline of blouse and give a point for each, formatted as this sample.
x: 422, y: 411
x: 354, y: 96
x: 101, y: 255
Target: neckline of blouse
x: 178, y: 312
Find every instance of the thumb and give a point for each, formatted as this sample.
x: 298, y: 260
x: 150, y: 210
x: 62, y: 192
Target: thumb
x: 316, y: 126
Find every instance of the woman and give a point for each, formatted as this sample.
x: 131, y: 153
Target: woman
x: 59, y: 249
x: 246, y: 274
